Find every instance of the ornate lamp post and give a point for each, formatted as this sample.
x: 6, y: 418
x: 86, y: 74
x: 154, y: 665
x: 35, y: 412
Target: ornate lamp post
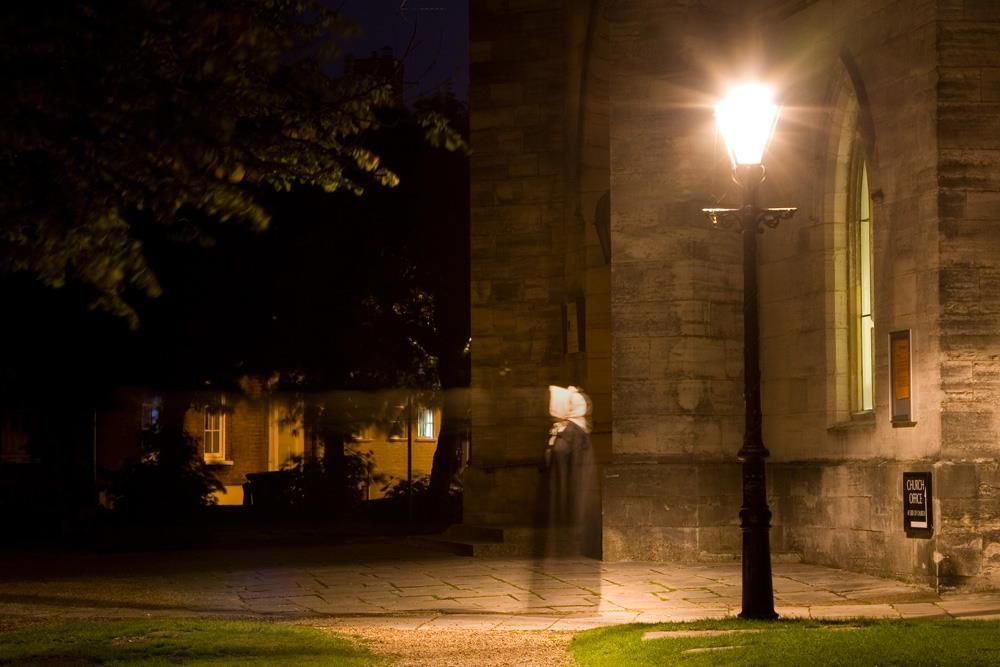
x: 746, y: 119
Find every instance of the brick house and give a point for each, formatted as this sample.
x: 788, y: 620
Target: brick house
x: 595, y: 150
x: 387, y: 442
x: 237, y: 433
x: 249, y: 431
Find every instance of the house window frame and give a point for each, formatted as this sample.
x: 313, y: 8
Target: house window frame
x: 364, y: 433
x: 396, y: 430
x: 210, y: 413
x: 861, y: 283
x: 425, y: 427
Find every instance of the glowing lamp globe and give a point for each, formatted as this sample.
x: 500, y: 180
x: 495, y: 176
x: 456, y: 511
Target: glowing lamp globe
x: 746, y: 119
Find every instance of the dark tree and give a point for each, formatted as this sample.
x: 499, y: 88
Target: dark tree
x: 138, y: 132
x: 120, y: 113
x: 171, y: 480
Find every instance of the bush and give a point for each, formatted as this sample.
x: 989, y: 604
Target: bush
x: 324, y: 486
x: 169, y: 480
x: 426, y: 508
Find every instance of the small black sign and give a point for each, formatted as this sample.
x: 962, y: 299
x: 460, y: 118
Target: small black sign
x: 918, y: 513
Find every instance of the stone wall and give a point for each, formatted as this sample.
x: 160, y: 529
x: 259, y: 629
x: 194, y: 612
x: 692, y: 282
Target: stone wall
x: 672, y: 488
x: 874, y: 60
x: 566, y: 107
x: 968, y: 125
x: 246, y: 435
x: 538, y: 135
x: 675, y: 280
x: 517, y: 101
x: 850, y: 515
x: 845, y: 515
x: 677, y: 289
x: 844, y: 466
x: 592, y: 190
x: 671, y: 511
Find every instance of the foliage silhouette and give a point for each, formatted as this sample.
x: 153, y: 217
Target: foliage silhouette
x: 137, y: 128
x: 427, y: 508
x: 317, y: 486
x: 131, y: 113
x: 169, y: 481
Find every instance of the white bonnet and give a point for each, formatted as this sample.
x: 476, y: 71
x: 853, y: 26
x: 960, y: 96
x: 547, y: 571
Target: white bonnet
x: 568, y: 403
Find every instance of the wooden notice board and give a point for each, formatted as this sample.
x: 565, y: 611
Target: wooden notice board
x: 901, y: 376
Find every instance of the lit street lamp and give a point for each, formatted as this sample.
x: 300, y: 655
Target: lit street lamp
x: 746, y: 119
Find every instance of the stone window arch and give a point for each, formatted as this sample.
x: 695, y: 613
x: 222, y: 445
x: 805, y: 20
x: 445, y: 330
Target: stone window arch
x: 850, y: 219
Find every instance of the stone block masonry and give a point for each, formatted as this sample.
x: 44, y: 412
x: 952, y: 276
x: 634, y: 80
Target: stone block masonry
x: 517, y: 102
x: 539, y: 155
x: 969, y: 239
x: 913, y: 89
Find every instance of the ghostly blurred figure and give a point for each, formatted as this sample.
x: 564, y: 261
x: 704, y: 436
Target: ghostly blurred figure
x: 573, y: 507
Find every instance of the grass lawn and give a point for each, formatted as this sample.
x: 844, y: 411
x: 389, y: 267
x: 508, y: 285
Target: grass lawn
x: 795, y: 642
x: 172, y: 641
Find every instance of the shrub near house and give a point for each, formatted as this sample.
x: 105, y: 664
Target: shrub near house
x: 388, y: 445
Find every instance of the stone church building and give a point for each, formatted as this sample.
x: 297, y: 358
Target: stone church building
x: 595, y: 150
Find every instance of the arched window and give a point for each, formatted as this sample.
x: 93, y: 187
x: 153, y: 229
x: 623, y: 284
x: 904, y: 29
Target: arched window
x: 849, y: 235
x: 861, y: 293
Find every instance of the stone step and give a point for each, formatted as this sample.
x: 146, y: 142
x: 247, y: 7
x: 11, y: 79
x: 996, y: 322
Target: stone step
x: 776, y: 557
x: 483, y: 541
x: 440, y: 543
x: 786, y: 557
x: 496, y: 541
x: 474, y: 533
x: 465, y: 540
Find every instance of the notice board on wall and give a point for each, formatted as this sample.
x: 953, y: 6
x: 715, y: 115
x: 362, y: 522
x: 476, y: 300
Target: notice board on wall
x: 918, y: 504
x: 901, y: 377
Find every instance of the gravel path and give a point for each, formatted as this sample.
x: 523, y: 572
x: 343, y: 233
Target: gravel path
x: 465, y: 648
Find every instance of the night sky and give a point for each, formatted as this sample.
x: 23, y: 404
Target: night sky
x: 436, y: 32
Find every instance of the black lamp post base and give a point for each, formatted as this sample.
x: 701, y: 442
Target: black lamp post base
x: 758, y: 594
x: 761, y: 615
x: 755, y: 520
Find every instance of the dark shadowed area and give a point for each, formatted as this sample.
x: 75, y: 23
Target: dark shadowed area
x: 222, y: 222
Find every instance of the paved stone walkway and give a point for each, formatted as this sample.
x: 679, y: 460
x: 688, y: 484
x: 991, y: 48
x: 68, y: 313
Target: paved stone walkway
x: 397, y: 584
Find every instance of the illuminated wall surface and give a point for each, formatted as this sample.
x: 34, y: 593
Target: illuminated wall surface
x: 575, y: 104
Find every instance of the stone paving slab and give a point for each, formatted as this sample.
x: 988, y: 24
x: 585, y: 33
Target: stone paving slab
x: 394, y: 585
x: 527, y: 623
x: 842, y: 611
x: 792, y: 612
x: 970, y: 607
x: 920, y: 610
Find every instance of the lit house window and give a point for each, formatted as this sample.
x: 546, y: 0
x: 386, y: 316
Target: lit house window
x: 215, y: 435
x: 861, y: 291
x: 425, y: 424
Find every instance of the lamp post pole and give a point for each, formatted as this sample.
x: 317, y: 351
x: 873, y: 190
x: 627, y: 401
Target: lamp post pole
x: 755, y: 515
